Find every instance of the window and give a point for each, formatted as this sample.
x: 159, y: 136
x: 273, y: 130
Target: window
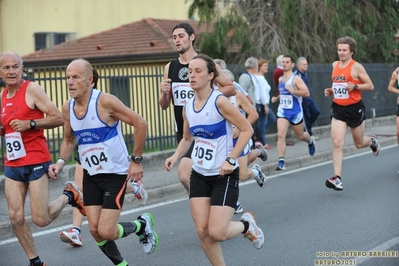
x: 47, y: 39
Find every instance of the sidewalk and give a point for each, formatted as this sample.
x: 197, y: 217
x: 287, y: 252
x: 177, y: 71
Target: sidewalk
x: 163, y: 186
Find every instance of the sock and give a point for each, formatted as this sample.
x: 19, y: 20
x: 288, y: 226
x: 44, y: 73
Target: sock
x: 141, y: 226
x: 281, y: 159
x: 36, y: 262
x: 127, y: 228
x: 246, y: 226
x: 69, y: 195
x: 77, y: 228
x: 109, y: 248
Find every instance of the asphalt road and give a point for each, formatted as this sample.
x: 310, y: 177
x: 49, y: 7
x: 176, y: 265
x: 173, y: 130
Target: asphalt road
x: 304, y: 223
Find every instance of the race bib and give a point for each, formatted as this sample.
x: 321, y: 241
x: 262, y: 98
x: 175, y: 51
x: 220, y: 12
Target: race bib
x: 15, y: 146
x: 95, y: 158
x: 181, y: 93
x: 339, y: 91
x: 286, y: 101
x: 203, y: 154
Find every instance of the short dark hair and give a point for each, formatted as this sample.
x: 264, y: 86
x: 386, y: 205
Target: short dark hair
x: 187, y: 27
x: 290, y: 57
x: 96, y: 76
x: 210, y: 65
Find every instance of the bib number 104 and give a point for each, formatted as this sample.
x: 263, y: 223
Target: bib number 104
x: 95, y: 160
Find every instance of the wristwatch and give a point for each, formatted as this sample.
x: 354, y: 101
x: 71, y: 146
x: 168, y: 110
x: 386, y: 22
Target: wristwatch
x: 32, y: 124
x: 355, y: 87
x: 136, y: 159
x: 231, y: 160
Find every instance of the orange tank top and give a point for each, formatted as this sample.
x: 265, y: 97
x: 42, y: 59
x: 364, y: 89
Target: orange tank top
x: 27, y: 147
x: 340, y: 77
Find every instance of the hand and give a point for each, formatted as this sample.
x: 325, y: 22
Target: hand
x: 266, y: 109
x: 135, y: 172
x: 169, y: 162
x: 20, y: 125
x: 236, y: 132
x: 328, y: 92
x: 350, y: 86
x: 54, y: 170
x: 226, y: 169
x: 165, y: 86
x: 274, y: 99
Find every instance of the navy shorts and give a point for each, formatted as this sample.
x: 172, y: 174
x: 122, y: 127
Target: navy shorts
x: 106, y: 190
x: 27, y: 173
x: 223, y: 190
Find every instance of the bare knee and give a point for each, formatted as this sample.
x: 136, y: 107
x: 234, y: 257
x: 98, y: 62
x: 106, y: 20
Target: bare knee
x: 107, y: 233
x: 16, y: 218
x: 217, y: 235
x: 202, y: 233
x: 40, y: 221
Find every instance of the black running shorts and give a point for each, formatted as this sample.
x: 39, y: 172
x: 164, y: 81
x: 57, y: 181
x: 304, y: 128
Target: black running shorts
x: 223, y: 190
x: 353, y: 115
x: 106, y: 190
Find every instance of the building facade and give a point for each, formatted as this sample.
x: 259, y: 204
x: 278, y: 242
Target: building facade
x: 29, y: 25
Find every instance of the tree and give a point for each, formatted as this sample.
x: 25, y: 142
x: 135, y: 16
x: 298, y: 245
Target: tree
x: 267, y: 28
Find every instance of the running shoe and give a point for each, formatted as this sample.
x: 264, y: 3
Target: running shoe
x: 260, y: 177
x: 263, y: 152
x: 43, y: 264
x: 71, y: 237
x: 149, y: 238
x: 238, y: 208
x: 280, y: 165
x: 75, y: 196
x: 254, y: 233
x: 375, y: 147
x: 140, y: 193
x: 312, y: 146
x: 334, y: 183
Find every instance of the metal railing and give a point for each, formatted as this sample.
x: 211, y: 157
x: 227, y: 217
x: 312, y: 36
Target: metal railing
x: 137, y: 86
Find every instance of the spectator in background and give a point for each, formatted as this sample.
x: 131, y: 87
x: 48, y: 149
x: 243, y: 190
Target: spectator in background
x: 247, y: 79
x: 278, y: 72
x: 221, y: 63
x: 310, y: 110
x: 266, y: 115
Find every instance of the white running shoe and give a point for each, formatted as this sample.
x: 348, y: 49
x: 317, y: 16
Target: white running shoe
x: 254, y: 233
x: 149, y: 238
x: 71, y: 237
x: 140, y: 193
x: 260, y: 178
x: 238, y: 208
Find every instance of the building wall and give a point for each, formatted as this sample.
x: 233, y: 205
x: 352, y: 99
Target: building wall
x: 20, y: 19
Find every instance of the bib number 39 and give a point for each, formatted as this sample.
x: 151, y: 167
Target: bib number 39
x: 15, y: 146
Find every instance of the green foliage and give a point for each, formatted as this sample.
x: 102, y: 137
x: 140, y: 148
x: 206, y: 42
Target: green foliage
x: 267, y: 28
